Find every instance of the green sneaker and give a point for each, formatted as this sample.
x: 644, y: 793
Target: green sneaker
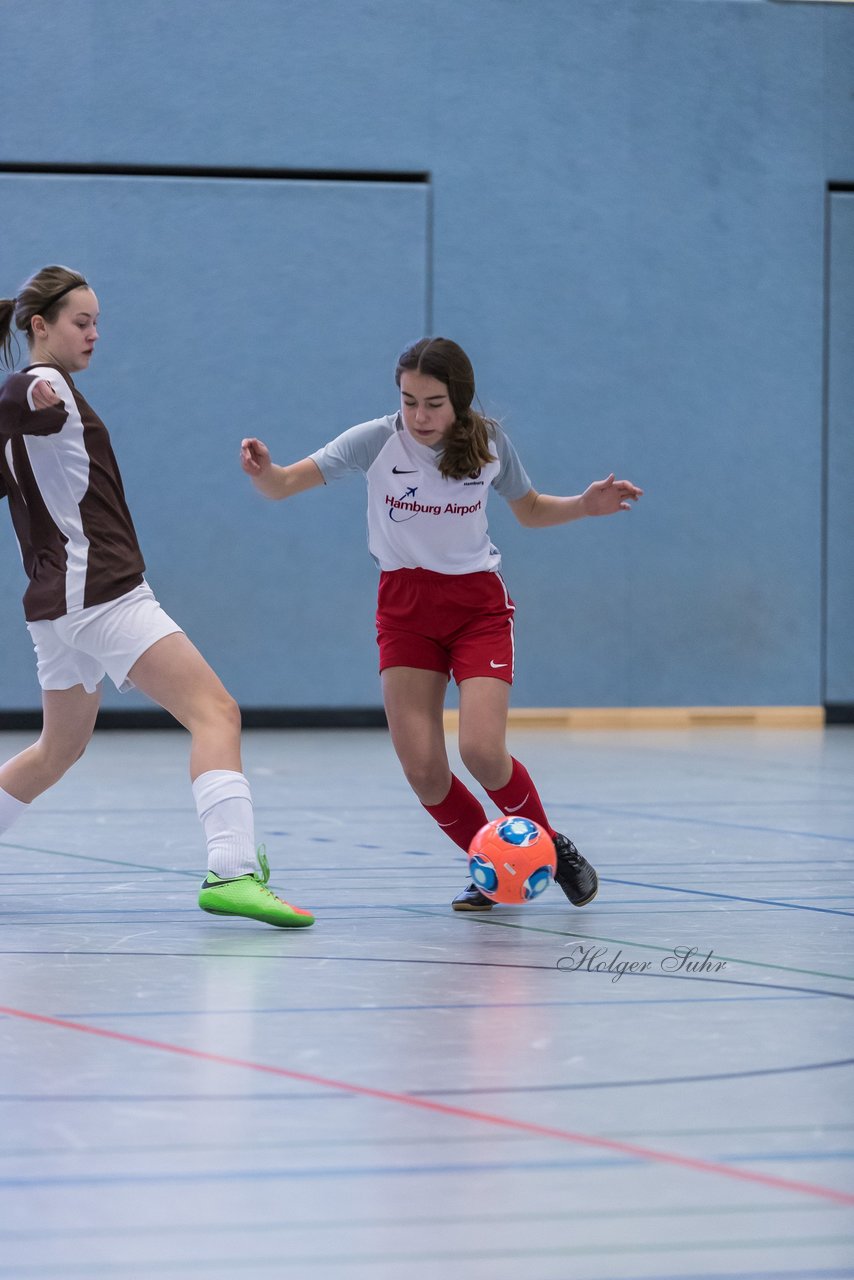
x: 249, y: 896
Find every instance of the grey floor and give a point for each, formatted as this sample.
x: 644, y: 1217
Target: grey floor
x: 541, y: 1092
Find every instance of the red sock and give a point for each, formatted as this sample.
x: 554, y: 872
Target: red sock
x: 520, y: 796
x: 459, y: 815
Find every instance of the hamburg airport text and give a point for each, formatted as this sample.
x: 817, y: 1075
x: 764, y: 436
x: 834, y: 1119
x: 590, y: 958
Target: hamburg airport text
x: 453, y: 508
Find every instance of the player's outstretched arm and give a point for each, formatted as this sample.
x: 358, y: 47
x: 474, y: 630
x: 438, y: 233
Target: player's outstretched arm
x: 602, y: 498
x: 271, y: 479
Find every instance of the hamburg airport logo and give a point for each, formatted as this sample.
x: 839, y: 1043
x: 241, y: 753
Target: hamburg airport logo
x: 404, y: 508
x: 408, y: 506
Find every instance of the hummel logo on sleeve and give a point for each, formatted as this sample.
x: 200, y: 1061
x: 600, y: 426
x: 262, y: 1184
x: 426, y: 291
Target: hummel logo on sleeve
x: 397, y: 471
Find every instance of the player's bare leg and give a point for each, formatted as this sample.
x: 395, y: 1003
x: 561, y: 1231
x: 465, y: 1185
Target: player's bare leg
x: 484, y: 703
x: 175, y: 675
x: 67, y: 727
x: 414, y: 703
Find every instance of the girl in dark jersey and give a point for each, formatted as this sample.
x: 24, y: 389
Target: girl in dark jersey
x: 88, y: 608
x: 443, y: 607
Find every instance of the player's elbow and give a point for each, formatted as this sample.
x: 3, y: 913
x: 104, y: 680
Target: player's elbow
x: 526, y: 514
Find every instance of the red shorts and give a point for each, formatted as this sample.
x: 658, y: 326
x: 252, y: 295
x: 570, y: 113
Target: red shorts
x: 460, y: 624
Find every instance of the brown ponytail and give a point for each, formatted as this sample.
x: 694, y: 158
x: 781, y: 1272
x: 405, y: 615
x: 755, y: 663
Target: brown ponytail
x: 7, y: 310
x: 467, y: 443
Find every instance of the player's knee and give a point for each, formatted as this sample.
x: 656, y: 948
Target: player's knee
x: 223, y: 710
x: 230, y: 711
x: 56, y: 758
x: 482, y: 760
x: 425, y: 778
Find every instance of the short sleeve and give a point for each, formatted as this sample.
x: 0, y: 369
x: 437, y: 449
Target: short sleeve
x: 354, y: 450
x: 512, y: 480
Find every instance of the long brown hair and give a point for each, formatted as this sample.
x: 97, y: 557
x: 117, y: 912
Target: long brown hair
x: 467, y: 443
x: 44, y: 294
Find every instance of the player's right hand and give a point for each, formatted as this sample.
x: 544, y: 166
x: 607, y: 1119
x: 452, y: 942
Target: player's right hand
x: 254, y: 456
x: 44, y: 396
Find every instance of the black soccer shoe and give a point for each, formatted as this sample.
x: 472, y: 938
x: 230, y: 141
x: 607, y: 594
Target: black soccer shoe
x: 471, y: 899
x: 574, y: 874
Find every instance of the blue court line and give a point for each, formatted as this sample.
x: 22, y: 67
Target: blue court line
x: 310, y: 957
x: 415, y: 1008
x: 822, y: 897
x: 832, y: 1273
x: 310, y: 1172
x: 744, y: 866
x: 631, y: 1084
x: 611, y: 812
x: 114, y: 862
x: 276, y: 1264
x: 729, y: 897
x: 705, y: 1078
x: 398, y: 1220
x: 467, y: 1168
x: 772, y: 1156
x: 504, y: 1141
x: 153, y: 913
x: 98, y: 1098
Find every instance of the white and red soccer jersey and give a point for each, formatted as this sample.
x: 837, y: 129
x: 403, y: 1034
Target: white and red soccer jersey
x: 57, y: 468
x: 418, y: 519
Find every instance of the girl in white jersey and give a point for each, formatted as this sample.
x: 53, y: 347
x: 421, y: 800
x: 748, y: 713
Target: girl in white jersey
x: 88, y: 607
x: 443, y: 607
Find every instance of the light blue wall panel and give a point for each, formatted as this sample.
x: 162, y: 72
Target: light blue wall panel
x: 840, y: 454
x: 656, y: 246
x: 839, y: 95
x: 261, y: 308
x: 628, y: 236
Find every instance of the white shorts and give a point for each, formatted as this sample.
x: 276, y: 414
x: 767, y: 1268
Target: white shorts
x: 106, y: 639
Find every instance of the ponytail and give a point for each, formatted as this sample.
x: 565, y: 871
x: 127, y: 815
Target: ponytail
x: 467, y: 446
x: 7, y: 311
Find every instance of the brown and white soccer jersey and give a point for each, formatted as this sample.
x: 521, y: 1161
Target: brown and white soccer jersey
x: 57, y: 468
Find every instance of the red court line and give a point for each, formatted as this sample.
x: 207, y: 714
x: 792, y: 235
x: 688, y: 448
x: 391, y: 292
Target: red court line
x: 429, y: 1104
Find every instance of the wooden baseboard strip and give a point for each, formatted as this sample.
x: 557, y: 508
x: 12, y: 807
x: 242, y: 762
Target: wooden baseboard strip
x: 659, y: 717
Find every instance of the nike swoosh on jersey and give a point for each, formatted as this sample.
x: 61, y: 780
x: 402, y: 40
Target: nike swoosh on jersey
x: 498, y: 664
x: 396, y: 471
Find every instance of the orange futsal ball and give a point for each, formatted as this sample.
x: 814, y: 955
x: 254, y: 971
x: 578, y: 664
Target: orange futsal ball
x: 512, y: 860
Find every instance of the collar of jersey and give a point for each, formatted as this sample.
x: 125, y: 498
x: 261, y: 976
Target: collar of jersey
x: 430, y: 451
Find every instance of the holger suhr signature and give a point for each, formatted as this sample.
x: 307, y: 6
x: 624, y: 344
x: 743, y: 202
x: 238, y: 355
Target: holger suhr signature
x: 599, y: 960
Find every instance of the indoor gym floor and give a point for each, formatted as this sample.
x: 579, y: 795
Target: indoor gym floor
x: 406, y: 1092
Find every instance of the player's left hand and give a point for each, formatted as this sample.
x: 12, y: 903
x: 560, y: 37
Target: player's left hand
x: 604, y: 497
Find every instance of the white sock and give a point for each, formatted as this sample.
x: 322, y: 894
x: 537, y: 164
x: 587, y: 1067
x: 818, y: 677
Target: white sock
x: 10, y: 810
x: 224, y: 805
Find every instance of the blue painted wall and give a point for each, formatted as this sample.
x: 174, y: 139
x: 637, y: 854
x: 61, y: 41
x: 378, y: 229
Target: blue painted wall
x: 839, y: 679
x: 627, y: 233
